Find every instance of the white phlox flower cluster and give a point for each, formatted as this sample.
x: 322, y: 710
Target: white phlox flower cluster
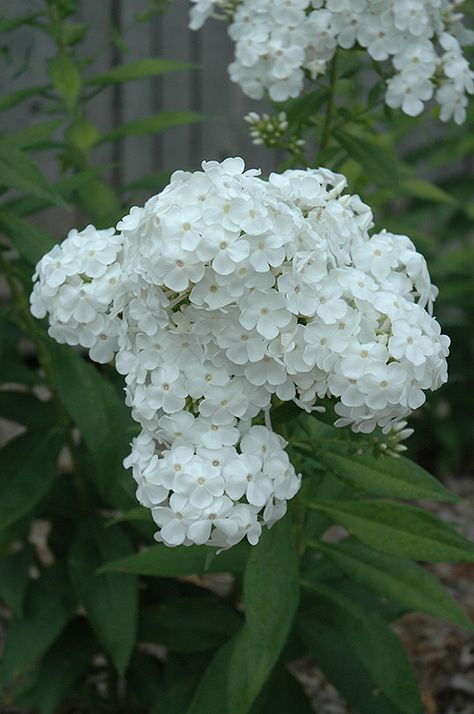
x: 278, y: 42
x: 227, y: 293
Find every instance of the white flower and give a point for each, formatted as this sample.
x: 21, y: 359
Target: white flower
x: 301, y: 303
x: 277, y: 42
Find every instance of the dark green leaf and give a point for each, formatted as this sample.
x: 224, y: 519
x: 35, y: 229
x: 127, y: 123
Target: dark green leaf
x: 271, y: 594
x: 48, y: 607
x: 240, y: 669
x: 33, y: 135
x: 11, y: 23
x: 27, y: 471
x: 155, y: 182
x: 12, y: 100
x: 300, y: 110
x: 285, y: 695
x: 66, y: 79
x: 100, y: 201
x: 110, y: 600
x: 103, y: 419
x: 395, y: 578
x: 188, y: 624
x: 31, y: 242
x: 427, y: 191
x: 153, y: 124
x: 159, y: 560
x: 385, y: 476
x: 15, y: 578
x: 18, y: 171
x: 379, y: 163
x: 138, y: 70
x: 24, y: 408
x: 400, y: 530
x: 59, y: 669
x: 367, y: 639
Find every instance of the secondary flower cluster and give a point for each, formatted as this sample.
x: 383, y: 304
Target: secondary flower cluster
x: 224, y: 293
x: 278, y: 41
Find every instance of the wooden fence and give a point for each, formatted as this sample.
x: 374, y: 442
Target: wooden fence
x: 207, y: 89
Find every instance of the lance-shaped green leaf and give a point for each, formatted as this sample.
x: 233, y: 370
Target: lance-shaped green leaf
x: 11, y: 23
x: 33, y: 135
x: 49, y: 605
x: 46, y: 686
x: 15, y: 578
x: 12, y: 100
x: 385, y: 476
x: 161, y: 561
x: 66, y: 79
x: 188, y: 624
x: 271, y: 592
x: 139, y: 70
x: 20, y: 172
x: 154, y: 124
x: 379, y: 163
x: 110, y: 600
x: 102, y: 418
x: 427, y: 191
x: 359, y: 654
x: 399, y: 529
x: 395, y: 578
x: 27, y: 471
x: 30, y: 241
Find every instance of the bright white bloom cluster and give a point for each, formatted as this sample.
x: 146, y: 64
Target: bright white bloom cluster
x: 224, y: 294
x: 278, y: 41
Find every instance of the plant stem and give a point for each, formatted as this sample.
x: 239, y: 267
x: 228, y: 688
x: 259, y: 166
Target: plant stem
x: 45, y: 361
x: 326, y: 130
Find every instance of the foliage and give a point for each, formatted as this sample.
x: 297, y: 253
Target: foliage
x: 94, y: 604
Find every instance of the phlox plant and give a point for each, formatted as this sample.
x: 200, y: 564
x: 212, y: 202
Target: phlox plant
x: 207, y: 383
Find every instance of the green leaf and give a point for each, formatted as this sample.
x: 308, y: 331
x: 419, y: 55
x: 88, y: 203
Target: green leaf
x: 385, y: 476
x: 138, y: 70
x: 161, y: 561
x: 34, y: 135
x: 48, y: 607
x: 379, y: 163
x: 359, y: 654
x: 427, y: 191
x: 110, y: 600
x: 395, y: 578
x: 99, y: 200
x: 24, y: 408
x: 285, y: 695
x: 240, y: 669
x: 188, y: 624
x: 59, y: 669
x: 12, y: 100
x: 66, y: 79
x: 134, y: 514
x: 15, y: 578
x: 11, y: 23
x: 31, y: 242
x: 300, y: 110
x: 102, y: 418
x: 153, y: 124
x: 271, y: 595
x: 20, y: 172
x: 400, y: 530
x: 155, y: 181
x: 27, y: 471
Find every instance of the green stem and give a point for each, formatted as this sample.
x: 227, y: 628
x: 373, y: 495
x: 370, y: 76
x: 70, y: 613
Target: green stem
x: 45, y: 361
x: 326, y: 130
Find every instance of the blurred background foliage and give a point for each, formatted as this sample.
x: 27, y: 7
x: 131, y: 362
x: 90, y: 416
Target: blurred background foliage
x: 143, y: 634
